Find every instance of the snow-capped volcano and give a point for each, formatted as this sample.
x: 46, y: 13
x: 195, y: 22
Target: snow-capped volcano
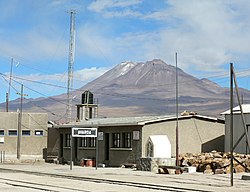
x: 126, y: 66
x: 144, y: 88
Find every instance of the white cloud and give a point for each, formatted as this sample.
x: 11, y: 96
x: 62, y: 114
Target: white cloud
x: 109, y: 7
x: 209, y: 33
x: 88, y: 74
x: 124, y: 13
x: 101, y: 5
x: 81, y: 77
x: 206, y: 35
x: 158, y: 15
x: 52, y: 84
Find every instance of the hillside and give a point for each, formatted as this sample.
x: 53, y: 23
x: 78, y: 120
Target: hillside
x: 136, y: 89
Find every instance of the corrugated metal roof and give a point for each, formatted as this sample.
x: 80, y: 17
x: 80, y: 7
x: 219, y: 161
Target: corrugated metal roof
x: 245, y: 108
x: 112, y: 121
x: 125, y: 121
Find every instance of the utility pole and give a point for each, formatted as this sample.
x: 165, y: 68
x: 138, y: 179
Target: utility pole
x: 70, y: 65
x: 177, y: 113
x: 8, y: 93
x: 19, y: 128
x: 231, y: 126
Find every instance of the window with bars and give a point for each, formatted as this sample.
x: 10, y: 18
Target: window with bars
x: 116, y: 140
x: 67, y: 140
x: 87, y: 142
x: 83, y: 142
x: 126, y: 137
x: 92, y: 141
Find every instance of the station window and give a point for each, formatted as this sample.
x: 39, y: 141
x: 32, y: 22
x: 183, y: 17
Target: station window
x: 87, y: 142
x: 39, y: 132
x: 92, y: 141
x: 26, y: 132
x: 122, y: 140
x: 116, y: 140
x: 1, y: 132
x: 67, y: 140
x: 12, y: 133
x: 126, y: 137
x: 83, y: 142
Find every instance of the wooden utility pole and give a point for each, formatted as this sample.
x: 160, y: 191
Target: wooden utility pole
x: 233, y: 81
x: 19, y: 128
x: 231, y: 124
x: 177, y: 113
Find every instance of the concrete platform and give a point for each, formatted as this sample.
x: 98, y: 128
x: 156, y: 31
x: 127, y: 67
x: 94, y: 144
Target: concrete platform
x: 188, y: 181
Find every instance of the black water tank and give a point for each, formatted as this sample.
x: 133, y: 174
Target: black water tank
x: 87, y: 98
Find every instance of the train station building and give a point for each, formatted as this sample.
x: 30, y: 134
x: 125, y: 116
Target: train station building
x: 125, y: 140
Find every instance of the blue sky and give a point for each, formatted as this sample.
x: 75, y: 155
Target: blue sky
x: 207, y: 35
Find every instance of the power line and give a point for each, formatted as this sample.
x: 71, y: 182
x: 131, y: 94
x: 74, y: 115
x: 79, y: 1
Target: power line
x: 64, y: 87
x: 221, y: 76
x: 39, y: 82
x: 98, y: 92
x: 116, y: 95
x: 61, y: 116
x: 38, y: 123
x: 10, y: 85
x: 39, y: 93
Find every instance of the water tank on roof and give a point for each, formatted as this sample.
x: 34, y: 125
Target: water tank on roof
x: 87, y: 98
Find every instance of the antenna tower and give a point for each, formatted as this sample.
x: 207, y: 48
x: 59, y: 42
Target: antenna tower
x: 71, y: 64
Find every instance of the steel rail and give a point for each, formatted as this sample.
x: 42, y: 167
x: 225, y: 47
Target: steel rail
x: 111, y: 181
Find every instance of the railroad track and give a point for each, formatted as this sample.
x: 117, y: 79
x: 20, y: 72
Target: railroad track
x: 37, y: 186
x: 47, y: 187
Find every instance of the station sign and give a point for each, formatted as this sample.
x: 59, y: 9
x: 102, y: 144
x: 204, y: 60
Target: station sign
x: 84, y: 132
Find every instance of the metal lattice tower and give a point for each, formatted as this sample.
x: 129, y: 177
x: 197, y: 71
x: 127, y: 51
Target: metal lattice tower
x: 71, y: 65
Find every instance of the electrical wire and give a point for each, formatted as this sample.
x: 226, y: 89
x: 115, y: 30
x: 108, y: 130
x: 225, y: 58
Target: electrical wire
x: 64, y: 87
x: 223, y: 75
x: 60, y: 116
x: 102, y: 93
x: 220, y: 76
x: 98, y: 92
x: 38, y: 123
x: 10, y: 85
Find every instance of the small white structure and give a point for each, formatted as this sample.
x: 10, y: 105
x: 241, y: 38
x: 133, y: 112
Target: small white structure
x: 238, y: 128
x: 158, y: 146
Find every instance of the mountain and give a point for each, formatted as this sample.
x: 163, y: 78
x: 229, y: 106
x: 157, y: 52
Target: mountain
x: 138, y: 88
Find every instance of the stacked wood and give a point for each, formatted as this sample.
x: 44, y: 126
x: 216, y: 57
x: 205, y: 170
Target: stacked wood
x: 215, y: 162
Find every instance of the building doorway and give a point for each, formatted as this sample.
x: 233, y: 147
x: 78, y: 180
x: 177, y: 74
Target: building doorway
x: 75, y: 146
x: 106, y: 146
x: 61, y: 145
